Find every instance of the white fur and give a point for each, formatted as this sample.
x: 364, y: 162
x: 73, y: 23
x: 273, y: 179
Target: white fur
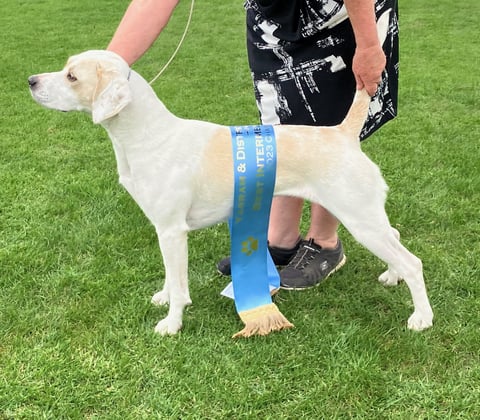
x: 180, y: 172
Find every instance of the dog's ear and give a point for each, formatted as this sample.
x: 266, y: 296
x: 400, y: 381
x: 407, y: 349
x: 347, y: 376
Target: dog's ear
x: 112, y: 94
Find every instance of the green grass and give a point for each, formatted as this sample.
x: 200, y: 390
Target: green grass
x: 79, y: 261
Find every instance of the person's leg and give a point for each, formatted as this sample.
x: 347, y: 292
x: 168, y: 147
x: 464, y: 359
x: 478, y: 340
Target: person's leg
x: 323, y: 227
x: 285, y: 215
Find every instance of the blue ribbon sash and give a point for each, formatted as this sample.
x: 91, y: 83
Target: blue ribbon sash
x: 253, y: 271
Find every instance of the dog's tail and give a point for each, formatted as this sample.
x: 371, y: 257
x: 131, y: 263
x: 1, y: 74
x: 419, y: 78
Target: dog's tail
x: 358, y: 112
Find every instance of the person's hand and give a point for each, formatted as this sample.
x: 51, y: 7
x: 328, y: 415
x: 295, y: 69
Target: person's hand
x: 368, y: 65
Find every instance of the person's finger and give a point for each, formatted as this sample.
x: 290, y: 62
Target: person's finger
x: 371, y: 88
x: 359, y: 82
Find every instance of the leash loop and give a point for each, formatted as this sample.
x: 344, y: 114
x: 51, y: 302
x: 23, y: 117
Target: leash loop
x: 178, y: 46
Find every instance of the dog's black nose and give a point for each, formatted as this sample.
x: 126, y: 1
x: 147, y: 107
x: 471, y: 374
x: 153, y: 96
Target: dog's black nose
x: 32, y: 81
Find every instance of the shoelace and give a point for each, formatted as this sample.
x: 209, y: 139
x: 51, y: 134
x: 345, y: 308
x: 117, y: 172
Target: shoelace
x: 302, y: 259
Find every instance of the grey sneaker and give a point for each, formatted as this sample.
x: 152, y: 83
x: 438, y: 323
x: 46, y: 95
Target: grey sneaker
x: 311, y: 265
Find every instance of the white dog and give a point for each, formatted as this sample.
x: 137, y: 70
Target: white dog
x: 180, y: 172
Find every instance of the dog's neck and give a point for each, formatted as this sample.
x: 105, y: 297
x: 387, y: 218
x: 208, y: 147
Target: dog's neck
x: 145, y: 106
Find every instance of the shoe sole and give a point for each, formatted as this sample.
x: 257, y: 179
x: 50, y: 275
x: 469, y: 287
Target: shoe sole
x: 223, y: 274
x: 334, y: 270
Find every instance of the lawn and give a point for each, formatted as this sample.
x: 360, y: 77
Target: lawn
x: 79, y: 261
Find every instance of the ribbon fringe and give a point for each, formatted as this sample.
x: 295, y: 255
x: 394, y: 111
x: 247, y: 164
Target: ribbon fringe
x: 262, y: 321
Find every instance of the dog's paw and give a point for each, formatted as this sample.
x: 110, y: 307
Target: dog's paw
x: 389, y: 278
x: 168, y: 326
x: 419, y: 321
x: 161, y: 298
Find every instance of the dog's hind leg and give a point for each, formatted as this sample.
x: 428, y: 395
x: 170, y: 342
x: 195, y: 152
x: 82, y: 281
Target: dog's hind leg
x: 375, y: 233
x: 390, y: 277
x: 175, y: 292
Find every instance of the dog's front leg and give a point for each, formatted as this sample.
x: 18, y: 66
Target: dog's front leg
x: 174, y: 248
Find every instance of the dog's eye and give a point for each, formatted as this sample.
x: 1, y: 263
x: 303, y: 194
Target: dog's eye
x: 71, y: 77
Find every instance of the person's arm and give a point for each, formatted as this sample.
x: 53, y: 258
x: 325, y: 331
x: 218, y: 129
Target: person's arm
x: 369, y: 59
x: 140, y: 26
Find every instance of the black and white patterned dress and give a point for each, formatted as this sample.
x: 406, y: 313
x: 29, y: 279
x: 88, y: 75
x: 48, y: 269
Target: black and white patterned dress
x: 300, y: 54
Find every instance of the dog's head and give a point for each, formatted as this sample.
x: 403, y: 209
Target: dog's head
x: 94, y: 81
